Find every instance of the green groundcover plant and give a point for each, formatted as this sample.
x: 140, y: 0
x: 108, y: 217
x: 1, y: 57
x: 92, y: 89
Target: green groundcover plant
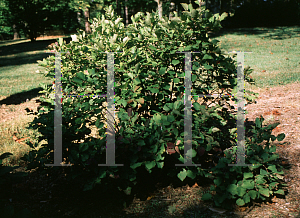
x: 147, y: 72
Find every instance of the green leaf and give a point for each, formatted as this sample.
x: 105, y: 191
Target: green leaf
x: 131, y: 75
x: 206, y: 57
x: 133, y: 49
x: 223, y: 16
x: 157, y: 118
x: 171, y: 118
x: 258, y: 122
x: 279, y: 191
x: 191, y: 152
x: 252, y: 194
x: 122, y: 101
x: 153, y: 90
x: 191, y: 174
x: 137, y: 67
x: 194, y: 77
x: 84, y: 157
x: 248, y: 184
x: 166, y: 86
x: 102, y: 175
x: 263, y: 172
x: 175, y: 62
x: 160, y: 96
x: 150, y: 164
x: 88, y: 186
x: 207, y: 67
x: 136, y: 81
x: 185, y: 6
x: 171, y: 72
x: 232, y: 188
x: 80, y: 75
x: 240, y: 202
x: 264, y: 192
x: 182, y: 175
x: 218, y: 181
x: 280, y: 137
x: 141, y: 143
x: 162, y: 70
x: 241, y: 191
x: 160, y: 164
x: 152, y: 47
x: 133, y: 166
x: 248, y: 175
x: 83, y: 147
x: 78, y: 81
x: 273, y: 168
x: 176, y: 80
x: 197, y: 106
x: 181, y: 49
x: 127, y: 191
x: 273, y: 138
x: 177, y: 104
x: 98, y: 124
x: 91, y: 71
x: 246, y: 198
x: 206, y: 197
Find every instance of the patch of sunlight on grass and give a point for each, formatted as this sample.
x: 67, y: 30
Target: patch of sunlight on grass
x: 15, y: 79
x: 275, y: 59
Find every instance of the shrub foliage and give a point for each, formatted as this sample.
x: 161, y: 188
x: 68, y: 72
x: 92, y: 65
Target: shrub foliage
x: 147, y: 72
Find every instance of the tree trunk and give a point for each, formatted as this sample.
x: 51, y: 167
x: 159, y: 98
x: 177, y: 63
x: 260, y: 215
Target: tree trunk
x: 159, y: 8
x: 86, y: 20
x: 126, y: 13
x: 118, y: 8
x: 32, y: 35
x: 16, y: 34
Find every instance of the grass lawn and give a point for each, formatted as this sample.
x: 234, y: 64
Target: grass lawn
x: 275, y: 60
x: 276, y: 55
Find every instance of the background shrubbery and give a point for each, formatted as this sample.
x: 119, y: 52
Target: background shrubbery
x: 265, y: 14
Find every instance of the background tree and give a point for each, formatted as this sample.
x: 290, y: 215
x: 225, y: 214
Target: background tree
x: 61, y: 16
x: 83, y: 7
x: 6, y: 30
x: 28, y: 16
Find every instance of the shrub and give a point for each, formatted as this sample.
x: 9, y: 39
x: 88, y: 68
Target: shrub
x: 146, y: 72
x: 260, y: 181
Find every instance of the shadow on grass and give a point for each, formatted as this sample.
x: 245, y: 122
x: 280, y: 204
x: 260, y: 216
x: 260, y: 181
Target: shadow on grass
x: 21, y: 97
x: 17, y: 54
